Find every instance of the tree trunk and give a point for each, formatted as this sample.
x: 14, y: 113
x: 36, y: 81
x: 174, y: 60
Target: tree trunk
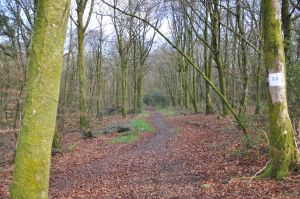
x: 283, y: 151
x: 139, y: 93
x: 207, y: 66
x: 286, y: 26
x: 195, y: 96
x: 99, y: 79
x: 135, y: 92
x: 84, y: 118
x: 123, y: 86
x: 258, y: 108
x: 217, y: 55
x: 32, y: 164
x: 244, y: 70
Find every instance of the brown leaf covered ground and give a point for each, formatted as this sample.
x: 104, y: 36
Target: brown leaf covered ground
x: 193, y: 156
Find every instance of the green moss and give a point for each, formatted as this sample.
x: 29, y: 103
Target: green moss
x: 273, y: 48
x: 84, y: 117
x: 282, y: 148
x: 32, y: 164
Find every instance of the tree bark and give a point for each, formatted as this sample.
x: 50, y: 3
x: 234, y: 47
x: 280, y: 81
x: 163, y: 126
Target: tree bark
x: 286, y: 26
x: 207, y: 66
x: 244, y: 69
x: 258, y: 108
x: 217, y: 55
x: 283, y: 151
x: 32, y: 164
x: 84, y: 119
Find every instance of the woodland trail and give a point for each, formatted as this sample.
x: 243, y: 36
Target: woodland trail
x: 188, y: 156
x: 149, y: 169
x: 192, y: 156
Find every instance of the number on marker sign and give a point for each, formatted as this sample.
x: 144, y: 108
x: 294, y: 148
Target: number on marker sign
x: 276, y: 79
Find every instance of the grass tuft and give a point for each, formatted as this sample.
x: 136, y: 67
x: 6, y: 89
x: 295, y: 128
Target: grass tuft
x: 137, y: 125
x: 141, y: 125
x: 126, y: 138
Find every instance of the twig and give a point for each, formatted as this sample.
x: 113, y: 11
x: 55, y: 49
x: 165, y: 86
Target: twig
x: 266, y: 136
x: 259, y: 172
x: 233, y: 179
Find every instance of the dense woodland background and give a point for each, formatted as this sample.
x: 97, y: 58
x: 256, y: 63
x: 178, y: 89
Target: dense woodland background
x: 116, y: 64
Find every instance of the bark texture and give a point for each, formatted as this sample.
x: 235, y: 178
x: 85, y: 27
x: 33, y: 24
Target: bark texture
x: 282, y: 148
x: 32, y: 164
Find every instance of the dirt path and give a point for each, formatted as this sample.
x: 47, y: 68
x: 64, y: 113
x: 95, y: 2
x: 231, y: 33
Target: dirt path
x: 146, y: 170
x: 192, y: 156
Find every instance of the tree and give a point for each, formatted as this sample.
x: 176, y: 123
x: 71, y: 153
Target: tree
x: 81, y: 29
x: 189, y: 60
x: 243, y: 64
x: 123, y: 30
x: 283, y: 151
x: 215, y: 30
x: 286, y: 27
x: 207, y: 65
x: 32, y: 164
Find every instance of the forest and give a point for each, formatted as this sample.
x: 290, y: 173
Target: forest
x: 149, y: 99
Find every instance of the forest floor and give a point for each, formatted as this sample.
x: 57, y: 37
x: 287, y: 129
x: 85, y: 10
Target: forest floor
x: 186, y: 156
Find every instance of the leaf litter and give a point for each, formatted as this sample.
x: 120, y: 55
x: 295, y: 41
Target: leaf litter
x: 192, y: 156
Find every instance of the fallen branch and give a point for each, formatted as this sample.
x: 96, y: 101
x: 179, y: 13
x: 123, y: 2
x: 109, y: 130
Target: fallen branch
x: 259, y: 172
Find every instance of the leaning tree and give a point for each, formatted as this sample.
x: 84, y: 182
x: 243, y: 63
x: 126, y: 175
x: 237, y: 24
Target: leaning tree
x: 32, y: 164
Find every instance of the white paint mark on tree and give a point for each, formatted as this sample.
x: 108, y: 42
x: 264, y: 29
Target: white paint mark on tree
x: 276, y: 79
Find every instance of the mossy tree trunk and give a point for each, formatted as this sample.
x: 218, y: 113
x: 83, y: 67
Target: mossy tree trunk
x: 139, y: 93
x: 99, y: 58
x: 243, y: 66
x: 32, y: 164
x: 135, y: 90
x: 123, y: 83
x: 216, y: 51
x: 84, y: 120
x: 286, y: 26
x: 81, y: 29
x: 207, y: 66
x: 123, y: 27
x: 283, y: 151
x: 259, y: 67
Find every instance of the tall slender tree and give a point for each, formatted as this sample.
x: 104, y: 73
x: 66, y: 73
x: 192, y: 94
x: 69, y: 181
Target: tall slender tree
x: 286, y: 28
x: 215, y: 30
x: 207, y: 64
x: 81, y: 29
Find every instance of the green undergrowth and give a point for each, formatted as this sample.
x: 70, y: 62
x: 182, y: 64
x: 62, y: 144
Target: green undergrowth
x: 141, y: 125
x: 138, y: 125
x: 126, y: 138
